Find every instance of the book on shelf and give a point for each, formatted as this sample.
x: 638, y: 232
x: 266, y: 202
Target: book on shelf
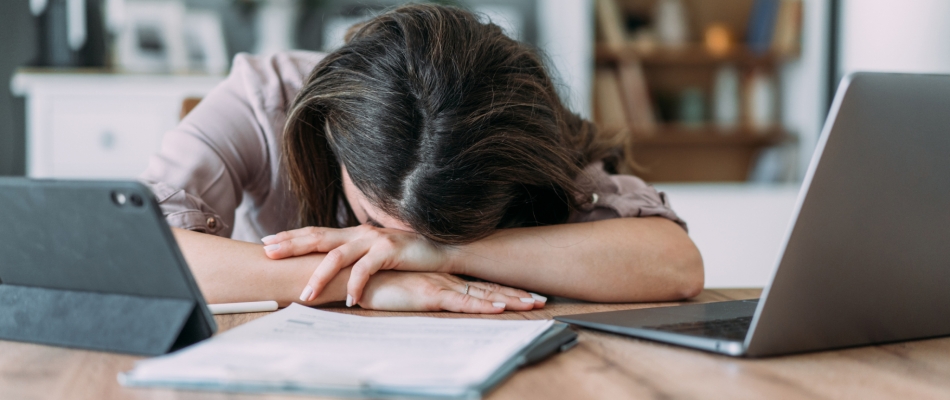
x: 775, y: 25
x: 622, y: 87
x: 772, y: 25
x: 786, y: 38
x: 610, y: 22
x: 762, y: 25
x: 608, y: 102
x: 636, y: 96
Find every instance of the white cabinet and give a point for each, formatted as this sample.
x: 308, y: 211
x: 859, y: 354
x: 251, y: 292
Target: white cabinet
x: 100, y: 126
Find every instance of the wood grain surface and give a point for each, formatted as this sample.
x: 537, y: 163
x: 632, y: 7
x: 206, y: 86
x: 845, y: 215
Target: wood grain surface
x: 602, y: 366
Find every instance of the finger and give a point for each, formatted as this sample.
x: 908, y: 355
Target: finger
x: 287, y: 235
x: 494, y: 287
x: 337, y: 259
x: 368, y: 265
x: 450, y: 300
x: 328, y: 238
x: 537, y: 300
x: 511, y: 302
x: 322, y: 242
x: 304, y: 241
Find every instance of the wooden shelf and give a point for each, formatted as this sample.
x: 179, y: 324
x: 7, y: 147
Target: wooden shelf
x: 688, y: 55
x: 677, y: 153
x: 639, y: 81
x: 709, y: 135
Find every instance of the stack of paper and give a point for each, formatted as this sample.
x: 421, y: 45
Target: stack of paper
x: 304, y: 350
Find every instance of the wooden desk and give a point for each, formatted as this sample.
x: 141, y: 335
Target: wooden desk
x: 602, y: 366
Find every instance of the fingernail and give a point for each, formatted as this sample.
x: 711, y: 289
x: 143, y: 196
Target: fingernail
x: 498, y: 304
x: 539, y: 297
x: 349, y: 301
x: 527, y: 300
x: 307, y: 291
x: 272, y: 247
x: 268, y: 239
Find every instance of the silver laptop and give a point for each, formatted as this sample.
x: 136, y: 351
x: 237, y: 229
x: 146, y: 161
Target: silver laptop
x: 867, y: 255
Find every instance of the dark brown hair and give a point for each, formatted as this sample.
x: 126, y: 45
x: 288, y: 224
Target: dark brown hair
x: 443, y: 122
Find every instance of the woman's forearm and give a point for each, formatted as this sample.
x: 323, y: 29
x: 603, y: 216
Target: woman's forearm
x: 617, y: 260
x: 229, y: 271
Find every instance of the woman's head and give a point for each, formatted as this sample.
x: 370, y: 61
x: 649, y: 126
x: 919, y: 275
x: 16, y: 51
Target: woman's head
x: 442, y: 122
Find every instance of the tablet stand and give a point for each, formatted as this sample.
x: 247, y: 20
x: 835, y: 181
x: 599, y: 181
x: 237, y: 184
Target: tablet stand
x: 97, y: 321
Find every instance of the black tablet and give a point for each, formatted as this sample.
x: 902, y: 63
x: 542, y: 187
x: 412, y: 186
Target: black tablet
x: 94, y: 265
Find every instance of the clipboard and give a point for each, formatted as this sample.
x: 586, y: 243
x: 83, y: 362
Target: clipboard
x: 299, y: 338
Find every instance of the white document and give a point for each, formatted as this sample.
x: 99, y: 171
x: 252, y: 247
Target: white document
x: 302, y: 349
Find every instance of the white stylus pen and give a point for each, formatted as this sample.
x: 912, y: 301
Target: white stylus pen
x: 236, y: 308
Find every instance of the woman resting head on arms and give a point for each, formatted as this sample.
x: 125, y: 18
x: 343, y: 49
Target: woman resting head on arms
x: 430, y: 145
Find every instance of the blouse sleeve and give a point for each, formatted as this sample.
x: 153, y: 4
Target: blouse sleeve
x: 619, y: 196
x: 220, y: 151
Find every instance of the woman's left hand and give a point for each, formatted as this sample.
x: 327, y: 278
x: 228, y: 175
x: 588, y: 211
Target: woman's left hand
x: 368, y: 249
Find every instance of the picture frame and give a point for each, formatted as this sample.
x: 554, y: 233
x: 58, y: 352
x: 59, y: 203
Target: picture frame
x: 204, y: 39
x: 150, y: 38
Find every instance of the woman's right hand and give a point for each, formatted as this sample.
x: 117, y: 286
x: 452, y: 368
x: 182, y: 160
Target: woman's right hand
x: 432, y: 291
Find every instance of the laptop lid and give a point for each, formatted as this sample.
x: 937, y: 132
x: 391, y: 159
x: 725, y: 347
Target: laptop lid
x: 867, y: 258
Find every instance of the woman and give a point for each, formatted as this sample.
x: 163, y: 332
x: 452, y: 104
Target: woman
x: 429, y: 146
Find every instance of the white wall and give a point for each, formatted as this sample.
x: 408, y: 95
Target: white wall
x: 566, y: 36
x: 804, y: 84
x: 895, y: 36
x: 738, y: 228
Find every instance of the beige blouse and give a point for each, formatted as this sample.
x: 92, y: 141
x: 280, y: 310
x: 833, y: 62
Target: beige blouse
x: 219, y: 171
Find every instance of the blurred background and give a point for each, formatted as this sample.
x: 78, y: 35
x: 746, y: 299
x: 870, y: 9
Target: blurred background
x: 720, y: 102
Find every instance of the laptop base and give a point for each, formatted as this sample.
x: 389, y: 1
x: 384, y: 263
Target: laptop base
x: 716, y: 327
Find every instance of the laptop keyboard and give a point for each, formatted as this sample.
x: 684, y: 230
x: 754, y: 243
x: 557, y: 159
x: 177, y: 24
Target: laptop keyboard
x: 732, y: 329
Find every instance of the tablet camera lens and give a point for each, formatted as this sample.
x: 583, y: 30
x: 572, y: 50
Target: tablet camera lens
x: 136, y: 200
x: 119, y: 198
